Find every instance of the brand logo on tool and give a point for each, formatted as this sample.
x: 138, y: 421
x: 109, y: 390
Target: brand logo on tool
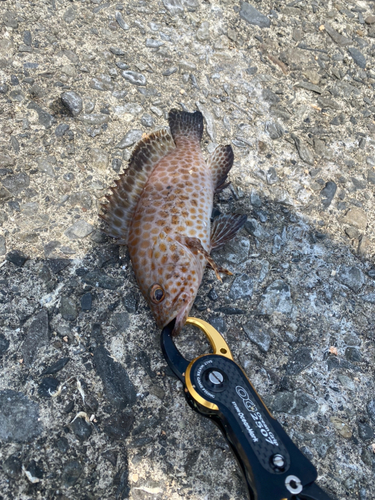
x: 256, y: 416
x: 249, y: 405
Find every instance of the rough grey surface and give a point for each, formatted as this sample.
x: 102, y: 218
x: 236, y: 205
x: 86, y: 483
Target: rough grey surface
x: 290, y: 86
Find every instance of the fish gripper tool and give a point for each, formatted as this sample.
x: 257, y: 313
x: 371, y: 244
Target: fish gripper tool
x: 216, y: 387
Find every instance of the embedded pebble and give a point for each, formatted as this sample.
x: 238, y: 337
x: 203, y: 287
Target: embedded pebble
x: 242, y: 287
x: 117, y: 385
x: 277, y: 298
x: 19, y: 416
x: 72, y: 101
x: 251, y: 15
x: 352, y: 277
x: 258, y: 335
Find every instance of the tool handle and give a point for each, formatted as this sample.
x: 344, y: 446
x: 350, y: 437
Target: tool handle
x: 273, y: 466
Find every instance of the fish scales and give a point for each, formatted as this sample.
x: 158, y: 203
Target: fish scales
x: 167, y: 220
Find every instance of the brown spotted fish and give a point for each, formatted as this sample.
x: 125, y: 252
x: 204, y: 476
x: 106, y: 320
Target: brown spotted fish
x: 161, y: 208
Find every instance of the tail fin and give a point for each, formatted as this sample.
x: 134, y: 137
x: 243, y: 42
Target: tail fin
x: 184, y: 124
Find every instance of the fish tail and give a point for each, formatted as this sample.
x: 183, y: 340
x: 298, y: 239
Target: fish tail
x: 185, y: 125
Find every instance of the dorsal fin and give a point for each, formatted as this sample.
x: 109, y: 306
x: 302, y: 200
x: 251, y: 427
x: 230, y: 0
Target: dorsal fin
x: 119, y: 212
x: 185, y: 125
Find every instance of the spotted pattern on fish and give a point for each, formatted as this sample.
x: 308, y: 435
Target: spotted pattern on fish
x: 161, y: 208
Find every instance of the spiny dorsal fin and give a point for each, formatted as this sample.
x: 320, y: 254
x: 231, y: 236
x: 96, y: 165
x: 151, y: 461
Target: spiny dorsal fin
x: 119, y: 212
x: 185, y: 125
x: 220, y: 162
x: 225, y: 227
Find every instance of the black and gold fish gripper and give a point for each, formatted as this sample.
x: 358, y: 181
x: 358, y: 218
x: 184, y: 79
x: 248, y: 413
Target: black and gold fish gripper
x: 216, y: 387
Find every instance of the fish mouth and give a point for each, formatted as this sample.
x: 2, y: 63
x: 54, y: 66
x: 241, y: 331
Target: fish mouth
x: 179, y: 320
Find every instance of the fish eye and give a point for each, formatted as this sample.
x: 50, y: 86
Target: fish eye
x: 156, y: 293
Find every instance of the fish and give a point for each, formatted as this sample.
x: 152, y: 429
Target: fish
x: 161, y: 206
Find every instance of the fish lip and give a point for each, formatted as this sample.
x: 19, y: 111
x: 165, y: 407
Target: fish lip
x: 179, y: 319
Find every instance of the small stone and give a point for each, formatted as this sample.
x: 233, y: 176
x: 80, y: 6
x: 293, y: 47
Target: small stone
x: 151, y: 43
x: 147, y: 120
x: 327, y: 193
x: 37, y: 336
x: 3, y: 88
x: 16, y: 258
x: 48, y: 387
x: 12, y: 467
x: 294, y: 403
x: 134, y: 78
x: 131, y: 301
x: 80, y: 229
x: 336, y: 37
x: 352, y: 277
x: 117, y: 386
x: 19, y: 417
x: 299, y: 360
x: 100, y: 279
x: 118, y: 426
x: 68, y: 308
x: 365, y: 432
x: 56, y: 367
x: 120, y: 321
x: 15, y: 184
x: 274, y: 130
x: 255, y: 200
x: 46, y: 165
x: 120, y: 20
x: 218, y: 323
x: 72, y: 101
x: 371, y: 176
x: 86, y: 302
x: 253, y: 16
x: 71, y: 472
x: 130, y: 139
x: 94, y: 119
x: 356, y: 217
x: 371, y: 409
x: 10, y: 19
x: 6, y: 161
x: 303, y: 151
x: 353, y: 354
x: 358, y: 57
x: 309, y: 86
x: 44, y: 118
x: 341, y: 427
x: 4, y: 344
x: 170, y: 71
x: 70, y: 15
x: 99, y: 158
x: 277, y: 298
x: 370, y: 19
x: 242, y: 287
x: 61, y: 129
x: 257, y: 334
x: 81, y: 428
x: 370, y: 298
x: 3, y: 249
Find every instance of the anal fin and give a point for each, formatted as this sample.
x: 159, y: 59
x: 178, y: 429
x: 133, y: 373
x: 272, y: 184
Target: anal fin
x: 225, y: 227
x: 220, y: 163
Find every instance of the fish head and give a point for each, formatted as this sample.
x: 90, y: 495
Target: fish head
x: 175, y: 279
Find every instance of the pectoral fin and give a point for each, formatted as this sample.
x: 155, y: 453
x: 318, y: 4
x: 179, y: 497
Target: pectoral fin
x: 195, y: 246
x: 225, y: 227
